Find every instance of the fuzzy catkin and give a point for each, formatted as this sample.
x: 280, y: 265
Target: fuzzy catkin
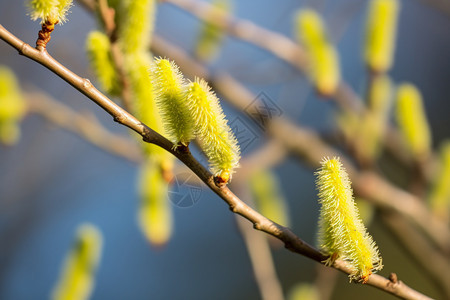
x: 54, y: 11
x: 341, y: 231
x: 170, y: 94
x: 211, y: 127
x: 136, y: 25
x: 98, y: 48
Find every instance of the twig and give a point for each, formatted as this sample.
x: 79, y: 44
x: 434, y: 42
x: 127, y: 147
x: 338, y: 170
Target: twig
x: 86, y: 126
x: 291, y: 241
x: 259, y: 252
x: 419, y: 248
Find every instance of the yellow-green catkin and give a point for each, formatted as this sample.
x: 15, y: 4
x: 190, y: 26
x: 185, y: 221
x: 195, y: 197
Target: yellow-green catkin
x: 341, y: 231
x: 170, y: 95
x: 268, y: 198
x: 155, y: 212
x: 439, y: 199
x: 324, y: 69
x: 144, y: 104
x: 304, y: 291
x: 211, y: 127
x: 374, y: 123
x: 412, y: 121
x: 12, y: 107
x: 211, y: 35
x: 77, y: 277
x: 52, y: 11
x: 99, y: 51
x: 381, y: 30
x: 136, y: 25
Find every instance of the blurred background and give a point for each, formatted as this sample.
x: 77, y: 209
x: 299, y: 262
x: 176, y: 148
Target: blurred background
x: 52, y: 180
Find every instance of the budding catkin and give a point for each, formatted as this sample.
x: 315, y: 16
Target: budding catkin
x: 341, y: 231
x: 412, y: 120
x: 136, y: 25
x: 381, y: 30
x: 440, y: 192
x: 324, y: 67
x: 211, y: 35
x: 99, y: 50
x: 211, y: 127
x: 12, y: 107
x: 168, y: 85
x: 155, y: 213
x: 78, y: 274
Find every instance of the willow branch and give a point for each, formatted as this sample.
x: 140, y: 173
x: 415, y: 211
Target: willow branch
x: 290, y: 240
x: 84, y: 125
x: 258, y: 249
x: 415, y: 244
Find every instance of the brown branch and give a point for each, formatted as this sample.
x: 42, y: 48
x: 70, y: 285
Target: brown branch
x: 86, y: 126
x: 291, y: 241
x: 415, y: 244
x: 258, y: 249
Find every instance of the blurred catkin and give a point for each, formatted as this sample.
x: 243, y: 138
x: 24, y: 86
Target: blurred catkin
x: 324, y: 69
x: 268, y: 198
x: 12, y: 107
x: 77, y: 277
x: 412, y: 120
x: 440, y: 192
x: 99, y: 51
x: 381, y: 30
x: 210, y: 36
x: 304, y: 291
x: 155, y: 212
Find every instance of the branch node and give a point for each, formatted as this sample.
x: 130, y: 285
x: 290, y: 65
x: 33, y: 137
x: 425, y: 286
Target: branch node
x: 393, y: 278
x: 120, y: 119
x: 22, y: 48
x: 87, y: 83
